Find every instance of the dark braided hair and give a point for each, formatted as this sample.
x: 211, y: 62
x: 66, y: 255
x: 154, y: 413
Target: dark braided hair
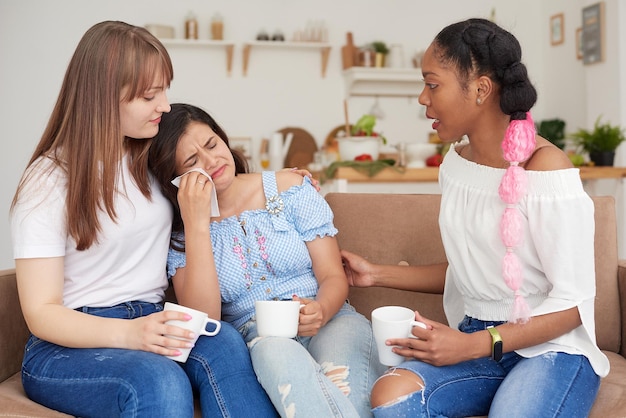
x: 478, y: 47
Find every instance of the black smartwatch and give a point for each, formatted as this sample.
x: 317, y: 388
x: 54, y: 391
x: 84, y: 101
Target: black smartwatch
x: 496, y: 343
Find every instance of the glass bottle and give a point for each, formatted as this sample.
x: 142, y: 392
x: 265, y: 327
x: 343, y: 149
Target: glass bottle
x: 264, y: 156
x: 217, y: 27
x: 191, y: 26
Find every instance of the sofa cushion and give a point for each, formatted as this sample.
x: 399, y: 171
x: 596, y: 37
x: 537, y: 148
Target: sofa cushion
x: 607, y: 307
x: 611, y: 400
x: 15, y: 403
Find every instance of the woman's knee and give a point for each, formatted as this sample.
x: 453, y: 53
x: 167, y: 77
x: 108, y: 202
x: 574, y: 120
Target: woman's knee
x: 165, y: 389
x: 278, y: 352
x: 226, y: 346
x: 393, y: 385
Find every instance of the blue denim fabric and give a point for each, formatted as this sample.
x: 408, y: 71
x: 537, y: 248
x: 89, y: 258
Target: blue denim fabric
x: 550, y: 385
x: 295, y: 372
x: 109, y: 382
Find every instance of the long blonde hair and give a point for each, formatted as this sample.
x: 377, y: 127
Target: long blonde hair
x: 84, y: 137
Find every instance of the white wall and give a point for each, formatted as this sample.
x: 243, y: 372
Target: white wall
x: 282, y: 88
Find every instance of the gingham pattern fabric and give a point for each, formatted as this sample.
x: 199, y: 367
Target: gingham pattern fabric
x: 262, y: 254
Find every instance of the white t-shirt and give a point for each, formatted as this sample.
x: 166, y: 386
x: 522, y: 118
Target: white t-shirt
x: 128, y: 261
x: 557, y: 252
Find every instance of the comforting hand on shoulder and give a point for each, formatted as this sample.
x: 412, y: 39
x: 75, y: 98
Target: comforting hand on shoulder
x: 357, y: 269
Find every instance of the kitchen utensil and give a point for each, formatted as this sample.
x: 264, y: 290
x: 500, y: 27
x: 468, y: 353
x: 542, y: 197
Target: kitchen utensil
x: 302, y: 149
x: 279, y: 145
x: 376, y: 110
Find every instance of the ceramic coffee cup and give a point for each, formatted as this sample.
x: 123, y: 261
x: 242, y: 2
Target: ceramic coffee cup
x: 392, y: 322
x: 197, y: 324
x: 277, y: 318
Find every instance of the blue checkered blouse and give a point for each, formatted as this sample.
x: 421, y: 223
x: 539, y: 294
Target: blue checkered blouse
x: 262, y: 254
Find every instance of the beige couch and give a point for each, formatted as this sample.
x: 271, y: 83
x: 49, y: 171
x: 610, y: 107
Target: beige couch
x: 386, y: 229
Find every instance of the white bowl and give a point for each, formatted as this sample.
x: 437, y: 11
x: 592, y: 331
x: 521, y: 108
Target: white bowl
x: 418, y: 152
x: 353, y: 146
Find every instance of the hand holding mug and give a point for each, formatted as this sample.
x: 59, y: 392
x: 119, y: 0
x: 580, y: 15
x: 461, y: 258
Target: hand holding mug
x: 311, y: 317
x: 196, y: 324
x: 392, y: 322
x: 277, y: 318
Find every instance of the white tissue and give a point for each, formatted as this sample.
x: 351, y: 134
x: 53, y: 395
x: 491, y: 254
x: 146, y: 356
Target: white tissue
x: 215, y: 209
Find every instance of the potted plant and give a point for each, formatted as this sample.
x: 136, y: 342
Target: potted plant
x: 600, y: 142
x: 381, y: 50
x: 553, y: 130
x: 363, y: 143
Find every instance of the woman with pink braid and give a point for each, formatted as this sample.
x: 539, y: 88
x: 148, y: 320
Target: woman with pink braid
x: 518, y: 231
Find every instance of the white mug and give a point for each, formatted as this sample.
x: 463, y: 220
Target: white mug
x: 197, y: 324
x: 392, y: 322
x: 277, y: 318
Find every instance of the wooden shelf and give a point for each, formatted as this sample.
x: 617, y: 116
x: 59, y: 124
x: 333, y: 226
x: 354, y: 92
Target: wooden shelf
x: 592, y: 173
x: 323, y: 47
x: 431, y: 174
x: 390, y: 82
x: 228, y: 46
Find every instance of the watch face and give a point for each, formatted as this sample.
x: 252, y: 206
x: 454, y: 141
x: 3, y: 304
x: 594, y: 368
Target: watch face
x: 497, y: 351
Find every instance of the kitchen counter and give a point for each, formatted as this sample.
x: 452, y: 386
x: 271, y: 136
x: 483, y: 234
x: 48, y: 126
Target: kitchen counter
x: 430, y: 174
x: 424, y: 180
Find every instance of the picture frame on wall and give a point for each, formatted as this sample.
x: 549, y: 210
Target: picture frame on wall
x: 579, y: 43
x: 593, y: 33
x: 557, y: 29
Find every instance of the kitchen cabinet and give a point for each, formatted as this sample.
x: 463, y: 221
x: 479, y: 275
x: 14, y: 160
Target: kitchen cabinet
x: 322, y: 47
x: 228, y: 47
x: 383, y: 82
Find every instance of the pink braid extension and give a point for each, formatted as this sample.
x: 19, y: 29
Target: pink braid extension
x: 517, y: 146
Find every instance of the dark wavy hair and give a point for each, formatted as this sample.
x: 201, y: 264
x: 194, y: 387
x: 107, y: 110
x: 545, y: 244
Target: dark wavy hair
x: 477, y: 47
x: 162, y: 154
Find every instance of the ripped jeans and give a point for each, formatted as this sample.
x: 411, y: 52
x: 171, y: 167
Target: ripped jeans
x: 113, y: 382
x: 550, y: 385
x: 327, y: 375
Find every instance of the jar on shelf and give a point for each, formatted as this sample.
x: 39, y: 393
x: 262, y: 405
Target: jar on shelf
x: 262, y: 35
x: 366, y: 57
x: 191, y: 26
x: 217, y: 27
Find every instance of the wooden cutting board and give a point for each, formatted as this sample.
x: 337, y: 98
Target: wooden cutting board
x: 348, y: 52
x: 302, y: 148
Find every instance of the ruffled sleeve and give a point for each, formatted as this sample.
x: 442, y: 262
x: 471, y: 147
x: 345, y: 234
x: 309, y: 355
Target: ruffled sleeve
x: 309, y: 212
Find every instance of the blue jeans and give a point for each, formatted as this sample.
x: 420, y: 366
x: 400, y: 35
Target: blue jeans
x: 111, y: 382
x: 551, y: 385
x: 327, y: 375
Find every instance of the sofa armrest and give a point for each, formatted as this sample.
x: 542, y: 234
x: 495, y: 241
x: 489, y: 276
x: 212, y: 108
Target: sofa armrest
x: 14, y: 331
x: 621, y: 279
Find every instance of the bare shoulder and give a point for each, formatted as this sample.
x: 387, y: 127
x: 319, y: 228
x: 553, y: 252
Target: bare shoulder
x: 286, y: 179
x: 548, y: 157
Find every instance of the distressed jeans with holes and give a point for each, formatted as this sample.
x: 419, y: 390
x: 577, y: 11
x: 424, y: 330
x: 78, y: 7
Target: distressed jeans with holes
x: 549, y: 385
x: 111, y: 382
x: 327, y: 375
